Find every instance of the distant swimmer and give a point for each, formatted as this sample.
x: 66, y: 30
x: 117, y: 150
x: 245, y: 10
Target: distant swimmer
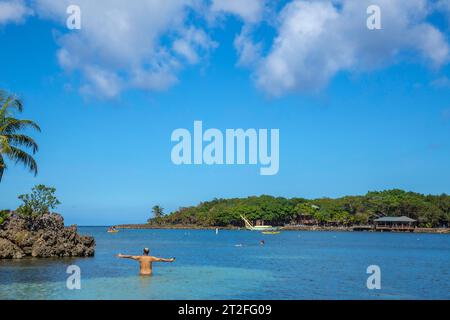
x: 262, y: 242
x: 145, y: 261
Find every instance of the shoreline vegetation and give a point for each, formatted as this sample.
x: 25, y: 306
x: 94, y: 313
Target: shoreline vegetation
x: 350, y: 213
x: 147, y: 226
x: 32, y: 230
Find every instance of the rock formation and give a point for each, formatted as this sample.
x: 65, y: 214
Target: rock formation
x: 42, y: 237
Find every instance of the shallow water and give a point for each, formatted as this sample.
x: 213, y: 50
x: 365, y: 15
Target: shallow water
x: 291, y: 265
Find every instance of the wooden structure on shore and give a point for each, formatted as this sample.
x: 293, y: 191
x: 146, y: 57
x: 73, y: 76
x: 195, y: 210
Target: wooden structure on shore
x: 398, y: 224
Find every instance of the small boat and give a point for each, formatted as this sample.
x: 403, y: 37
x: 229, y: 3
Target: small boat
x: 112, y: 230
x: 271, y: 232
x: 251, y: 227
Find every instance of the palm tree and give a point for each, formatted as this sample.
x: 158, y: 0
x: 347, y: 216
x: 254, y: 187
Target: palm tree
x: 12, y: 141
x: 158, y: 212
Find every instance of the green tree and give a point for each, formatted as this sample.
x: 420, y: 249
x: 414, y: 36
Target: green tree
x: 158, y: 212
x: 429, y: 210
x: 40, y: 201
x: 304, y: 209
x: 12, y: 141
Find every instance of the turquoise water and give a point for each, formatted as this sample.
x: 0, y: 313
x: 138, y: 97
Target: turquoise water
x: 232, y: 265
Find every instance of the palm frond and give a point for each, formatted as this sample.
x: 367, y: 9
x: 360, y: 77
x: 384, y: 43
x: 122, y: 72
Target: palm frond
x: 10, y: 125
x: 20, y: 156
x: 9, y: 100
x: 4, y: 144
x: 20, y: 140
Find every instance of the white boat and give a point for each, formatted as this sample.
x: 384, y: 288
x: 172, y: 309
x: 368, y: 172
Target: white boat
x: 251, y: 227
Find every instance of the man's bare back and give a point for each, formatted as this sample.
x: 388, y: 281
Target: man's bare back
x: 146, y: 261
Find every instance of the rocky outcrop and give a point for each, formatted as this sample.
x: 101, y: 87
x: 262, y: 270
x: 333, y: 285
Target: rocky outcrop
x: 42, y: 237
x: 9, y: 250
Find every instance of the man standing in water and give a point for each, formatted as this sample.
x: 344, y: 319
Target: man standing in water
x: 145, y: 261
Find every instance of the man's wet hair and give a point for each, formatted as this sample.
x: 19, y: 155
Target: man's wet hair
x: 146, y: 250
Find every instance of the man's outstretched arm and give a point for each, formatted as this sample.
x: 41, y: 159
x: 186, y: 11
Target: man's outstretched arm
x: 124, y: 256
x: 164, y: 260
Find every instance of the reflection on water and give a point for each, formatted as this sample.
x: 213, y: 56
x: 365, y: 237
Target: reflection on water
x: 292, y: 265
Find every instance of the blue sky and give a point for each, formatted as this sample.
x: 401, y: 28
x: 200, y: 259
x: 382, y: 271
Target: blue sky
x: 378, y: 117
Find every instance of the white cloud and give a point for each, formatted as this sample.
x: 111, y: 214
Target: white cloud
x: 249, y: 52
x: 250, y: 11
x: 191, y: 42
x: 141, y: 45
x: 103, y: 81
x: 318, y: 39
x: 146, y: 44
x: 13, y: 11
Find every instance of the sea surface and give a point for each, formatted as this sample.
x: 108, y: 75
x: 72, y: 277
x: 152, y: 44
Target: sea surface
x: 233, y: 265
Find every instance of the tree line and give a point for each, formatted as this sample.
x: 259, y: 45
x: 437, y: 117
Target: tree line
x: 429, y: 210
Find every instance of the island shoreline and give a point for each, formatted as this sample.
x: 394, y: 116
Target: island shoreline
x: 282, y: 228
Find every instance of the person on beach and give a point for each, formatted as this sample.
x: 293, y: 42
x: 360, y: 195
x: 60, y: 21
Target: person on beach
x: 145, y: 261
